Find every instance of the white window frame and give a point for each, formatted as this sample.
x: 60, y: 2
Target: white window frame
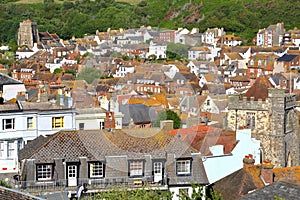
x: 2, y: 149
x: 96, y: 170
x: 101, y: 124
x: 8, y: 124
x: 30, y: 123
x: 136, y: 168
x: 44, y: 172
x: 183, y: 167
x: 10, y: 149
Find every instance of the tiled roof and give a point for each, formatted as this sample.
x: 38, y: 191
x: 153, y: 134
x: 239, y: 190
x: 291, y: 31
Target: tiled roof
x: 239, y: 183
x: 10, y: 194
x: 246, y: 180
x: 281, y: 189
x: 259, y: 90
x: 287, y: 57
x: 201, y: 137
x: 234, y: 56
x: 133, y: 143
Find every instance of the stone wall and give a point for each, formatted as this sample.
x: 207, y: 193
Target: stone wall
x: 275, y: 126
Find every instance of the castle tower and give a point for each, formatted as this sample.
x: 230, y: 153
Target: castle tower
x: 269, y: 113
x: 28, y: 33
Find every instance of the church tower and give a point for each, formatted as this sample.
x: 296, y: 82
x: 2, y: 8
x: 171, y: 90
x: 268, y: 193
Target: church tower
x: 28, y: 33
x: 270, y: 114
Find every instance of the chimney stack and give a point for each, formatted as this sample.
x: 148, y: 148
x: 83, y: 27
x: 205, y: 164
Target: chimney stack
x: 267, y: 172
x: 166, y: 124
x: 248, y: 161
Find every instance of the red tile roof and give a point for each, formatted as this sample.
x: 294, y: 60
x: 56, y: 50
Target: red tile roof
x: 201, y: 137
x: 259, y: 90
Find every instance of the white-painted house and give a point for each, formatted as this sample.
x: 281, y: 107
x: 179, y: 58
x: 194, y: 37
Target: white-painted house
x: 220, y: 165
x: 157, y: 49
x: 21, y: 122
x: 10, y: 87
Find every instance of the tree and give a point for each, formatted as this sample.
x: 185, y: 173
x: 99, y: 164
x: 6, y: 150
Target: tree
x: 198, y: 194
x: 177, y: 51
x: 120, y: 193
x: 4, y: 184
x: 89, y: 74
x: 57, y: 71
x: 168, y: 115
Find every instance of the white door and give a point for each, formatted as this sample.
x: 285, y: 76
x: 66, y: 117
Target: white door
x: 72, y: 175
x: 158, y: 171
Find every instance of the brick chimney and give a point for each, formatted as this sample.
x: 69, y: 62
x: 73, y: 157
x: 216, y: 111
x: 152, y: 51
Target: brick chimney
x: 266, y: 172
x: 109, y: 122
x: 248, y: 161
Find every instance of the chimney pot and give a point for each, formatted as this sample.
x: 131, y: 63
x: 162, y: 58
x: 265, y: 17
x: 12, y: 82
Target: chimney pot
x: 267, y: 171
x: 248, y: 161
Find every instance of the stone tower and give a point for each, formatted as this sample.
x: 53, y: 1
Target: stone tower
x: 270, y: 114
x: 28, y: 33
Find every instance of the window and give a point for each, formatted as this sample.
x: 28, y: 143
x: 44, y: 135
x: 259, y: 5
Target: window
x: 11, y: 149
x: 136, y: 168
x: 81, y: 126
x: 29, y: 122
x: 57, y: 122
x: 44, y: 172
x: 2, y: 145
x: 101, y: 125
x: 183, y: 167
x: 96, y: 170
x: 250, y: 120
x: 208, y: 102
x: 8, y: 124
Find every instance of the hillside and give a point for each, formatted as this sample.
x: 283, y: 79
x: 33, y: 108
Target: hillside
x: 68, y: 18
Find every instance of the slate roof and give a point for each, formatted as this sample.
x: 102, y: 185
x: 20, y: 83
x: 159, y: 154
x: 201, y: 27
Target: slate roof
x: 6, y: 80
x: 281, y: 189
x: 11, y: 194
x: 133, y: 143
x: 286, y: 58
x: 140, y: 113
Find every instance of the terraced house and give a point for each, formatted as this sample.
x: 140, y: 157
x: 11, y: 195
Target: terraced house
x: 134, y: 158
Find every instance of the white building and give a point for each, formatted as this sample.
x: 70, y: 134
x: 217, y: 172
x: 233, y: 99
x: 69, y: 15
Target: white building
x: 122, y: 70
x: 21, y: 122
x: 220, y: 165
x: 95, y: 118
x: 10, y: 87
x: 157, y: 49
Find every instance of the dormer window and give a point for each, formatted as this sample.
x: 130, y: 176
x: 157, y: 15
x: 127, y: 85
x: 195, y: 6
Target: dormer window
x: 259, y: 63
x: 183, y: 167
x: 252, y: 62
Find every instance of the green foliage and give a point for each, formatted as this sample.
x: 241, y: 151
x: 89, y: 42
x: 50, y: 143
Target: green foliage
x: 168, y: 115
x: 278, y: 198
x: 71, y: 71
x: 76, y: 18
x: 120, y: 193
x: 198, y: 194
x: 4, y: 184
x: 57, y: 71
x: 89, y: 74
x: 177, y: 51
